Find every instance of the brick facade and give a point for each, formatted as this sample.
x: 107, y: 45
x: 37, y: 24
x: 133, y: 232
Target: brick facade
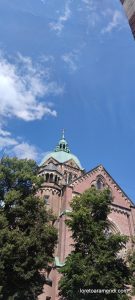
x: 129, y: 7
x: 59, y: 192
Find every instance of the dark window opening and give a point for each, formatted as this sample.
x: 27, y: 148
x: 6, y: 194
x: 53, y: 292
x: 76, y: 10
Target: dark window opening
x: 47, y: 177
x: 51, y: 178
x: 70, y: 178
x: 99, y: 184
x: 56, y: 179
x: 46, y: 199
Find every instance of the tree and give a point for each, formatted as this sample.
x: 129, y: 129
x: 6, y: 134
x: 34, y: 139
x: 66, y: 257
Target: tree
x: 27, y: 236
x: 131, y: 262
x: 95, y: 268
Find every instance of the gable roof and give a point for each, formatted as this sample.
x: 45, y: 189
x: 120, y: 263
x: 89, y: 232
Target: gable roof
x: 101, y: 168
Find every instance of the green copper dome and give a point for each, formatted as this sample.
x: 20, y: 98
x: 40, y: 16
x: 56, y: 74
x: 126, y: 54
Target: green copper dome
x: 62, y: 153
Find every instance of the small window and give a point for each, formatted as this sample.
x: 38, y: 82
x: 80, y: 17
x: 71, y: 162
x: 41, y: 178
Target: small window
x: 47, y: 177
x: 46, y: 199
x: 100, y: 184
x: 66, y: 178
x: 56, y: 179
x: 70, y: 178
x: 51, y: 178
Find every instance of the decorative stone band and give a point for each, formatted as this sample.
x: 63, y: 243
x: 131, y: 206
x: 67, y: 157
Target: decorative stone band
x: 129, y: 6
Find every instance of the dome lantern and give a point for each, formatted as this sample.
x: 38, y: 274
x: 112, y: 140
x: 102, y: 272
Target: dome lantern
x: 62, y: 145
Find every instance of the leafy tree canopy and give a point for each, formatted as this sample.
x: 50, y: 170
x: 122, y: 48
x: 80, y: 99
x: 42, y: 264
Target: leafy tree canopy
x: 27, y: 237
x: 95, y: 262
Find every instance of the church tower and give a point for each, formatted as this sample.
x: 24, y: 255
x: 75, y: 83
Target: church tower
x: 58, y: 168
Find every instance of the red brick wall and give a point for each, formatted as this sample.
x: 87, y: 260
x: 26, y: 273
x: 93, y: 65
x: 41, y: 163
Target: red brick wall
x: 129, y: 7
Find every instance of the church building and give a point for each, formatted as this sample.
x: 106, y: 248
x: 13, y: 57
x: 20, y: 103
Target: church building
x: 64, y: 178
x: 129, y: 7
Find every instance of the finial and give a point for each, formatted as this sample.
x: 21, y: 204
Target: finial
x: 63, y: 133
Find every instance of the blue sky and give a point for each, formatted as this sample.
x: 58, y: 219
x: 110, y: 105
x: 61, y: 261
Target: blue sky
x: 69, y: 64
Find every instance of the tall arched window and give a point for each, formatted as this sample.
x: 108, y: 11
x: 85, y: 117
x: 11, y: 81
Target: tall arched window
x: 55, y: 178
x: 51, y: 177
x: 100, y: 184
x: 65, y: 176
x: 69, y: 178
x: 47, y: 177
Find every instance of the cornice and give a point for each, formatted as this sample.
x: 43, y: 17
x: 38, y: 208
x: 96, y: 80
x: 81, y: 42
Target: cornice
x: 120, y: 209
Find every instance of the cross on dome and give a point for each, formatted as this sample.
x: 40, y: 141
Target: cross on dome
x: 63, y: 133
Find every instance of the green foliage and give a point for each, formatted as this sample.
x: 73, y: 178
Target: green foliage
x: 94, y: 263
x: 27, y: 237
x: 131, y: 262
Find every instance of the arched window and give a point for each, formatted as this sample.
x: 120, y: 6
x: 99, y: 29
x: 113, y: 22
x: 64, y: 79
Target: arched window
x: 69, y: 178
x: 51, y: 177
x: 113, y: 228
x: 65, y: 176
x: 46, y: 199
x: 99, y: 183
x: 47, y: 177
x: 55, y: 178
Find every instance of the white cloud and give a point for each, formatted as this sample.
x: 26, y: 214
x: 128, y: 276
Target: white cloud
x: 104, y: 15
x: 4, y: 132
x: 90, y: 4
x: 6, y: 142
x: 47, y: 58
x: 17, y: 147
x: 24, y: 150
x: 59, y: 24
x: 22, y: 88
x: 71, y: 60
x: 116, y: 22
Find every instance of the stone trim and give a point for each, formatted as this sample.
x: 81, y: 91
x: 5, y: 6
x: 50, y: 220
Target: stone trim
x: 119, y: 210
x: 50, y: 189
